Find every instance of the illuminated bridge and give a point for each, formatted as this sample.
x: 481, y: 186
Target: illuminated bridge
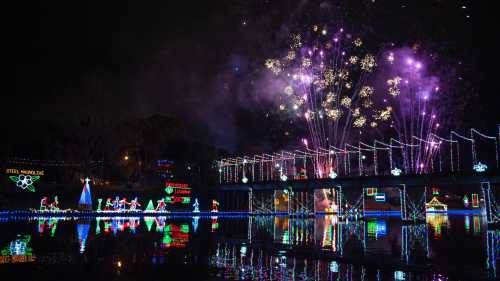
x: 290, y: 181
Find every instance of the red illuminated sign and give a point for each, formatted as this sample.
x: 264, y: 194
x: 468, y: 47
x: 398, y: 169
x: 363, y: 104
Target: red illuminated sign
x: 176, y: 185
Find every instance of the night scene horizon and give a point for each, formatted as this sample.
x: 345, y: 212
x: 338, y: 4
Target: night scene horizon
x: 251, y: 140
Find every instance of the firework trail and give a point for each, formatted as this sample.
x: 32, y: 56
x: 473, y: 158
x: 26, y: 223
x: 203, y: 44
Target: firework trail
x: 325, y: 73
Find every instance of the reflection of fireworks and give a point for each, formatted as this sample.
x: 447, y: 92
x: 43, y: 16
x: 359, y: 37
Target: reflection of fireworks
x: 325, y: 77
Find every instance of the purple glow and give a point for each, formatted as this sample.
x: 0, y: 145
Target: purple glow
x: 409, y: 61
x: 335, y: 39
x: 418, y: 65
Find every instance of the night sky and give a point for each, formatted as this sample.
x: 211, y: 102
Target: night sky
x: 200, y: 60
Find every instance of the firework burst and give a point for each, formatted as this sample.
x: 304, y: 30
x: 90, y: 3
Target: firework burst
x: 325, y: 75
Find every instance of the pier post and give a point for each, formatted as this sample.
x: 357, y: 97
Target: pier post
x: 485, y: 188
x: 402, y: 199
x: 250, y: 200
x: 338, y: 198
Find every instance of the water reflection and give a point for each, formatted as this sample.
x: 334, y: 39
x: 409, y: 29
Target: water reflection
x: 264, y: 247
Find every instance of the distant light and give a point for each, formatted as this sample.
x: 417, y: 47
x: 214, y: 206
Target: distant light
x: 396, y: 171
x: 125, y: 157
x: 119, y: 264
x: 334, y: 267
x: 284, y: 177
x: 332, y: 174
x: 480, y: 167
x: 244, y: 180
x: 399, y: 275
x: 363, y: 157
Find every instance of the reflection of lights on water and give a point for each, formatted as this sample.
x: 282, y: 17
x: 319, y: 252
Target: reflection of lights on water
x: 334, y: 266
x: 399, y: 275
x: 437, y: 221
x: 243, y: 250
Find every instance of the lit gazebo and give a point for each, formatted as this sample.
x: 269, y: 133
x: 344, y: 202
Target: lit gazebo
x: 435, y: 206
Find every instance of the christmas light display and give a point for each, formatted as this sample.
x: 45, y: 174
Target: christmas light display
x: 466, y: 201
x: 332, y: 174
x: 475, y: 200
x: 380, y: 197
x: 99, y: 203
x: 43, y: 204
x: 85, y: 202
x: 480, y: 167
x: 396, y: 172
x: 435, y: 191
x: 435, y: 206
x: 161, y: 205
x: 109, y: 205
x: 215, y: 206
x: 371, y: 191
x: 177, y: 193
x: 150, y: 207
x: 196, y: 206
x: 25, y: 181
x: 134, y: 204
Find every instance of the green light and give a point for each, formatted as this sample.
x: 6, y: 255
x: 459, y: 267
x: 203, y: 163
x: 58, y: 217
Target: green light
x: 149, y: 223
x: 169, y: 190
x: 25, y: 181
x: 150, y: 206
x: 185, y: 228
x: 186, y: 200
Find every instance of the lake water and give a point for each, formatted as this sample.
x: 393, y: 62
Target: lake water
x: 447, y: 247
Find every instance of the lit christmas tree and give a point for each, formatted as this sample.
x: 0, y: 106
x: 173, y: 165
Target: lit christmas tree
x: 85, y: 202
